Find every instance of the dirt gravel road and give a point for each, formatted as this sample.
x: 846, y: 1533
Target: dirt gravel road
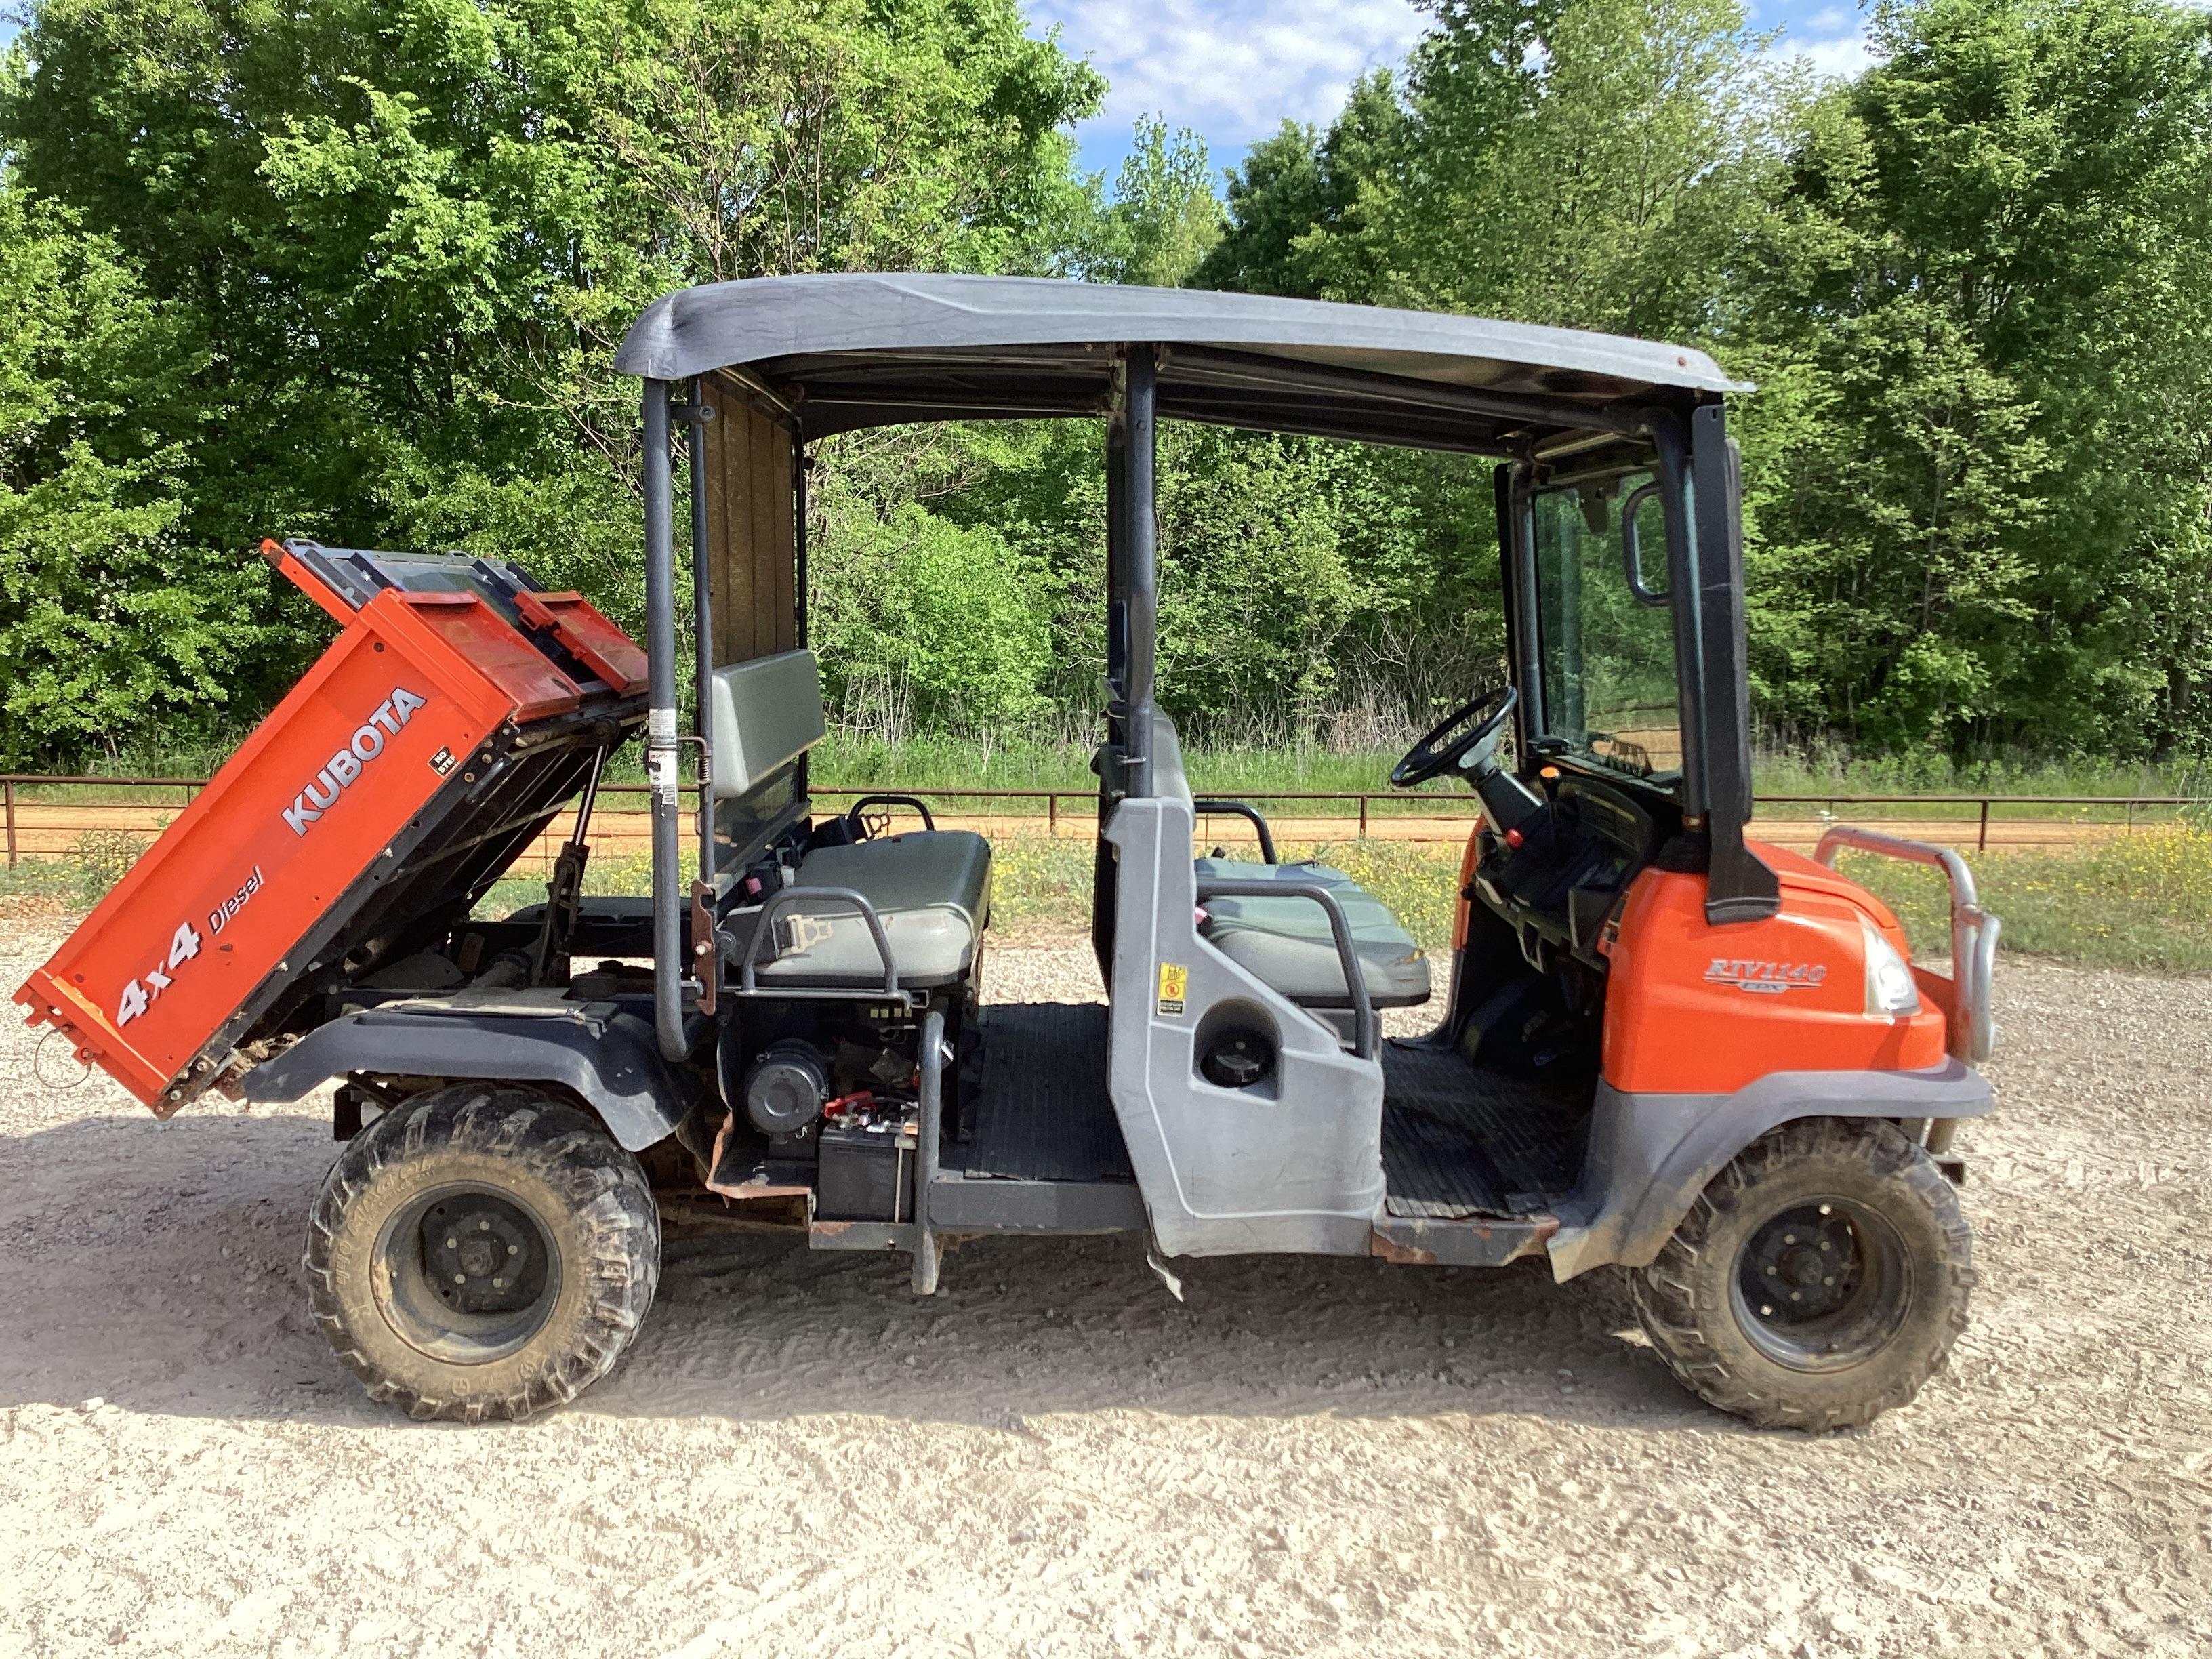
x: 1053, y: 1458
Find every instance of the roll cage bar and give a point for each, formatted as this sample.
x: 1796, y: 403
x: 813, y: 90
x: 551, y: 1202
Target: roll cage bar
x: 820, y: 355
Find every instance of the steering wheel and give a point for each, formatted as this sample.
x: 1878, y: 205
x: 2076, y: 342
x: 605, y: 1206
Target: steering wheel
x: 1467, y: 737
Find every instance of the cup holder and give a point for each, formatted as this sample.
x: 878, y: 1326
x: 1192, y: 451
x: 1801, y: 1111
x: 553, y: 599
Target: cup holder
x: 1236, y: 1049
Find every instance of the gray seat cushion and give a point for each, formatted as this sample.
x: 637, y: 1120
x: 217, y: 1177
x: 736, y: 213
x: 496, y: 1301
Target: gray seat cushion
x: 1287, y: 942
x: 932, y: 889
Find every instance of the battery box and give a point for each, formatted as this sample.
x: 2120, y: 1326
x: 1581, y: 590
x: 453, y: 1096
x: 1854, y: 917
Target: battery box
x: 866, y: 1174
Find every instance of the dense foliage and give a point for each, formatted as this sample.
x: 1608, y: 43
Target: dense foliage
x: 353, y: 269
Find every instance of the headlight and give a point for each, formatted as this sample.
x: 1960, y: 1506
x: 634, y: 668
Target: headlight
x: 1891, y: 989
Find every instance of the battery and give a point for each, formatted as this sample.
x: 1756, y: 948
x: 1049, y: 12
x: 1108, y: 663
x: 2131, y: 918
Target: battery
x: 866, y: 1174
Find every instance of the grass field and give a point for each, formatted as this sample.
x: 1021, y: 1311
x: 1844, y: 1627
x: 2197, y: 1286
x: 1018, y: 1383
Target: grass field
x: 2139, y: 902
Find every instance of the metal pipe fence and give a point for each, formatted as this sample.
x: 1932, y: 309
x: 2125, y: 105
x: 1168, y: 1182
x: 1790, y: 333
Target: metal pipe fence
x: 42, y: 828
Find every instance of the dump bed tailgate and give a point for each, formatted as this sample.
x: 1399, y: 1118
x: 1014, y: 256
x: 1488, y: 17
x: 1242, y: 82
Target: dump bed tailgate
x: 455, y: 712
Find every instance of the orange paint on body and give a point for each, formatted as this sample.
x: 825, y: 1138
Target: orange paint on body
x: 1691, y: 1008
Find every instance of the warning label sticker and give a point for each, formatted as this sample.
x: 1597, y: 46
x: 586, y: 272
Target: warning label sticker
x: 1174, y: 978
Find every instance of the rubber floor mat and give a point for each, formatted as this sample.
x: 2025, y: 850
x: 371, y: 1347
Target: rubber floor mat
x: 1459, y: 1140
x: 1042, y: 1112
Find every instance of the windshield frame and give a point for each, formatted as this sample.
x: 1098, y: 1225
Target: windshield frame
x: 1518, y: 489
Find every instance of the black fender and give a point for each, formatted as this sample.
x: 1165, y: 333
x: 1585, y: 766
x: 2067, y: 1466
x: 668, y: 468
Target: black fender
x: 611, y: 1060
x: 1650, y: 1155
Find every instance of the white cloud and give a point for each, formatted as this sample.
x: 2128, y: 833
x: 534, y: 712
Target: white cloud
x: 1841, y: 54
x: 1231, y: 69
x: 1828, y: 38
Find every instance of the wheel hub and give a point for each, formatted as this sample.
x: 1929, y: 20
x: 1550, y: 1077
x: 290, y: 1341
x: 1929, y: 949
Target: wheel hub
x: 1804, y: 1263
x: 1821, y: 1284
x: 482, y: 1255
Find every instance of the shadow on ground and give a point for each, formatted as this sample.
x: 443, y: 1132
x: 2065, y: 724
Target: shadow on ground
x: 157, y: 1267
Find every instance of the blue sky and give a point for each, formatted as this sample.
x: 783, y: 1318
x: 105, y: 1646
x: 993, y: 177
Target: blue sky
x: 1231, y: 69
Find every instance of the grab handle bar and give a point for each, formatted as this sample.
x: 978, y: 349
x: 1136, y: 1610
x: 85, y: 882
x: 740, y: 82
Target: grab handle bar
x: 1365, y: 1038
x: 1974, y: 932
x: 793, y: 895
x: 852, y: 812
x: 1632, y: 547
x: 1239, y: 809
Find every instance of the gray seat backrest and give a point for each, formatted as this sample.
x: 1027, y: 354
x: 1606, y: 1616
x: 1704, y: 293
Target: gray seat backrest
x: 765, y: 714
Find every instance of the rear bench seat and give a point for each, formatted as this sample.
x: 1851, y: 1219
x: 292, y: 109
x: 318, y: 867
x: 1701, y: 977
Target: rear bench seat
x: 1286, y: 943
x: 932, y: 889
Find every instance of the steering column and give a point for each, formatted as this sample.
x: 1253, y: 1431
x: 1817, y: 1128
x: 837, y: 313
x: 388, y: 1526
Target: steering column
x: 1465, y: 744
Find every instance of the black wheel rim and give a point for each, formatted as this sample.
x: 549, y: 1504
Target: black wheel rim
x: 466, y: 1275
x: 1822, y: 1284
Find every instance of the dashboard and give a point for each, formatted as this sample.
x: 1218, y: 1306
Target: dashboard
x: 1557, y: 879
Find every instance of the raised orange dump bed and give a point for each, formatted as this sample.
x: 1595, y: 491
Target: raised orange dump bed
x: 458, y: 709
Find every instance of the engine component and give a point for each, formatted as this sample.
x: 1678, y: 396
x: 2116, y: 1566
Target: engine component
x: 1237, y: 1057
x: 786, y: 1087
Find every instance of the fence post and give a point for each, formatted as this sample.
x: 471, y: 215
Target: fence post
x: 1363, y: 817
x: 10, y: 788
x: 1982, y: 840
x: 1052, y: 815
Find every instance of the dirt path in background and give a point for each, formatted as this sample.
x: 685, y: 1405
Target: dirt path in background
x: 1052, y: 1457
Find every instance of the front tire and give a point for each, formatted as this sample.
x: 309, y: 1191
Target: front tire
x: 1818, y: 1281
x: 482, y: 1252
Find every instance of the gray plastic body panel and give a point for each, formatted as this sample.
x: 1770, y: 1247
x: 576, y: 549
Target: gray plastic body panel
x: 767, y: 713
x: 1294, y: 1164
x: 608, y: 1059
x: 1650, y: 1155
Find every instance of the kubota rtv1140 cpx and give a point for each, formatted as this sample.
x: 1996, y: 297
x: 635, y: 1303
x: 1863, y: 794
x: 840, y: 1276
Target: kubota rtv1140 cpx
x: 1659, y: 1044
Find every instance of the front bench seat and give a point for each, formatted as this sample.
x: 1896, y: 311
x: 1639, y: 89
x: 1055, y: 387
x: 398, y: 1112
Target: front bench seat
x: 933, y: 890
x: 1287, y: 942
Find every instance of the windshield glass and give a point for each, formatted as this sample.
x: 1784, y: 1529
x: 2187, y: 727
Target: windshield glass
x: 1608, y: 655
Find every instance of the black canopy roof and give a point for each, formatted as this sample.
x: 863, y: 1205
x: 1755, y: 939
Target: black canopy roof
x: 842, y: 352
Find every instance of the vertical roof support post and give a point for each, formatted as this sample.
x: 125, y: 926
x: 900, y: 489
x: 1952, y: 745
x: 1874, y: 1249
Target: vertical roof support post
x: 703, y: 622
x: 1516, y: 569
x: 1117, y: 561
x: 1739, y: 885
x: 660, y: 741
x: 1140, y: 555
x: 798, y: 465
x: 1688, y: 618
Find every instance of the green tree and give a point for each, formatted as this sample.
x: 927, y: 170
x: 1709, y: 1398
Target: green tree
x: 400, y: 240
x: 1981, y: 474
x: 1163, y: 217
x: 1594, y: 163
x: 1297, y: 208
x: 110, y: 621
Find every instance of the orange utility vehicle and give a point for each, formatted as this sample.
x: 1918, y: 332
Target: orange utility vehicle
x: 1660, y: 1044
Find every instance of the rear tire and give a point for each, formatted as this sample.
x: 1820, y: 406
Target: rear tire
x: 481, y: 1253
x: 1818, y: 1281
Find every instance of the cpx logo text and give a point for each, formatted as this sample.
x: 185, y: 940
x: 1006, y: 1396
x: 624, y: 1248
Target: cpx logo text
x: 340, y: 771
x: 1773, y: 978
